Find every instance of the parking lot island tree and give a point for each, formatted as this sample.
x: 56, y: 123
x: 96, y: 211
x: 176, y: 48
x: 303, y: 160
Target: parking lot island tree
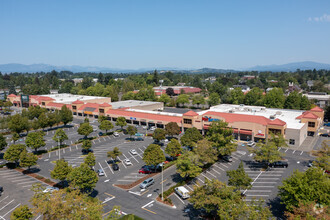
x: 114, y: 153
x: 23, y: 212
x: 323, y: 158
x: 43, y: 121
x: 188, y: 165
x: 60, y: 136
x: 61, y: 170
x: 206, y: 152
x: 3, y: 142
x: 153, y: 155
x: 172, y: 129
x: 18, y: 123
x: 35, y: 140
x: 86, y: 144
x: 131, y: 130
x: 190, y: 137
x: 66, y: 115
x: 83, y: 178
x: 159, y: 134
x: 35, y: 124
x: 239, y: 178
x: 164, y: 98
x: 173, y: 148
x: 101, y: 118
x: 224, y: 202
x: 90, y: 160
x: 15, y: 137
x: 267, y: 153
x: 221, y: 136
x: 105, y: 125
x: 85, y: 129
x: 13, y: 152
x: 27, y: 159
x: 121, y: 121
x: 64, y: 204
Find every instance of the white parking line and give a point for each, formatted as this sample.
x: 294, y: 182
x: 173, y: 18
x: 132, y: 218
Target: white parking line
x: 7, y: 204
x: 121, y: 162
x: 253, y: 181
x: 301, y: 152
x: 11, y: 210
x: 205, y: 176
x: 179, y: 198
x: 134, y: 157
x: 3, y: 198
x: 109, y: 167
x: 286, y: 150
x: 103, y: 170
x: 211, y: 174
x: 279, y: 149
x: 258, y: 195
x: 200, y: 180
x: 216, y: 171
x: 218, y: 167
x: 223, y: 165
x: 27, y: 182
x: 259, y: 191
x: 263, y: 186
x: 189, y: 188
x: 293, y: 151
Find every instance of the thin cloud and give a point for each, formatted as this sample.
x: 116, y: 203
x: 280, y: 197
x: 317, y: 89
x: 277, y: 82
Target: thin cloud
x: 323, y: 18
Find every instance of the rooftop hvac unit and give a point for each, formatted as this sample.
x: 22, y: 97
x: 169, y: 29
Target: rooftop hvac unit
x: 231, y: 111
x: 263, y: 109
x: 279, y: 113
x: 272, y: 117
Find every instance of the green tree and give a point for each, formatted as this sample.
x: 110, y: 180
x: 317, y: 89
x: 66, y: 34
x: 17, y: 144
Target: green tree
x: 164, y: 98
x: 60, y: 136
x: 198, y: 100
x: 53, y: 118
x: 105, y: 125
x: 66, y: 115
x: 207, y: 154
x: 121, y: 121
x: 114, y: 214
x: 101, y: 118
x: 173, y: 148
x: 86, y: 120
x: 292, y: 101
x: 85, y: 129
x: 172, y: 128
x: 323, y: 159
x: 188, y: 165
x: 3, y: 142
x: 182, y: 99
x: 43, y: 120
x: 223, y: 201
x: 90, y: 160
x: 86, y: 144
x: 131, y: 130
x: 35, y: 140
x: 305, y: 104
x: 236, y: 96
x: 214, y: 99
x: 153, y: 155
x: 278, y: 140
x: 65, y: 204
x: 83, y: 178
x: 254, y: 97
x: 18, y: 123
x: 128, y: 96
x: 305, y: 187
x: 28, y: 159
x: 13, y: 152
x: 239, y: 179
x: 114, y: 153
x: 61, y: 170
x: 190, y: 137
x: 159, y: 134
x: 23, y: 212
x: 221, y: 137
x: 274, y: 98
x: 15, y: 137
x: 267, y: 152
x: 35, y: 124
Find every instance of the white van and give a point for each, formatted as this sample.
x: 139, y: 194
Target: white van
x: 182, y: 192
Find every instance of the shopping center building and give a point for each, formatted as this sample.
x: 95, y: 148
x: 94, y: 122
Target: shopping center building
x: 248, y: 122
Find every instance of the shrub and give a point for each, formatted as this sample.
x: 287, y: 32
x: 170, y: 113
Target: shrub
x: 39, y: 177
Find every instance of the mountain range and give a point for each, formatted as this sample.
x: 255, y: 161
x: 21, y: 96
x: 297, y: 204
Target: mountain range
x: 290, y: 67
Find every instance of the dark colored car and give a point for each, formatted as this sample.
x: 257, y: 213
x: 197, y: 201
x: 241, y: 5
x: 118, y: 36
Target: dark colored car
x: 85, y: 151
x: 138, y: 139
x: 227, y: 158
x: 145, y: 171
x: 279, y: 164
x: 100, y: 133
x: 1, y: 190
x: 327, y: 124
x: 168, y: 158
x: 324, y: 135
x: 115, y: 166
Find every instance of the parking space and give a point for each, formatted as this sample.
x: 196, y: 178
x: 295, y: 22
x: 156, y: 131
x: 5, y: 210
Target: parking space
x: 7, y: 205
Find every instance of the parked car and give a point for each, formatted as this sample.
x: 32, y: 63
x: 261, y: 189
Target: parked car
x: 227, y: 158
x: 100, y: 172
x: 115, y: 166
x: 251, y: 144
x: 152, y: 128
x: 86, y: 151
x: 168, y: 158
x: 279, y: 164
x: 50, y: 189
x: 145, y: 171
x: 327, y: 124
x: 116, y: 134
x: 133, y: 152
x: 1, y: 190
x: 182, y: 192
x: 324, y: 135
x: 310, y: 163
x: 138, y: 139
x: 148, y: 182
x: 127, y: 162
x: 100, y: 133
x: 145, y: 127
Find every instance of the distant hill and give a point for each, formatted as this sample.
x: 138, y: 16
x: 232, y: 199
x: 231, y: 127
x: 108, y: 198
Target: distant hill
x: 291, y: 67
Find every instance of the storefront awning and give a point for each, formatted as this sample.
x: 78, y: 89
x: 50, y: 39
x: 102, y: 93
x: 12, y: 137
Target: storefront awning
x: 247, y: 132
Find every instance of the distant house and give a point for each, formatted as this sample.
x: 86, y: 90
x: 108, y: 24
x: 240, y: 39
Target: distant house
x: 210, y: 79
x: 77, y: 80
x: 293, y: 88
x: 322, y: 98
x: 244, y: 88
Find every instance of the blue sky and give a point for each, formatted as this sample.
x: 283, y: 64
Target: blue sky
x: 172, y: 33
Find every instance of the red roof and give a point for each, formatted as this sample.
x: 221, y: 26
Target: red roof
x: 59, y: 105
x: 277, y: 122
x: 44, y: 98
x: 317, y: 109
x: 142, y: 115
x: 190, y: 113
x: 12, y: 95
x: 78, y: 102
x: 307, y: 114
x: 232, y: 117
x: 105, y: 105
x: 90, y: 105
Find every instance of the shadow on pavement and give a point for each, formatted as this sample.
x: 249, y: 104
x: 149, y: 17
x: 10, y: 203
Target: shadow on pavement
x: 276, y: 208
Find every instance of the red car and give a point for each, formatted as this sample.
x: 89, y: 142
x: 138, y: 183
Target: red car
x: 145, y: 171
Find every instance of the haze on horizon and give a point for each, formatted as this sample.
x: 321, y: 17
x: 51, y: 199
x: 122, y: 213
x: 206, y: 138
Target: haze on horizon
x: 182, y: 34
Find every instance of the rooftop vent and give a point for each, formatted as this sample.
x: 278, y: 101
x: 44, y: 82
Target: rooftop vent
x: 279, y: 113
x: 231, y: 111
x: 272, y: 117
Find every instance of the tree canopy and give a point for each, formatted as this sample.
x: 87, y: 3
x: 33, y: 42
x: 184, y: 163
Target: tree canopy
x: 121, y: 121
x: 35, y: 140
x: 27, y: 159
x: 188, y: 165
x: 61, y: 170
x: 85, y: 129
x: 83, y: 178
x: 106, y: 125
x: 153, y: 155
x: 159, y: 134
x: 238, y: 178
x: 172, y: 128
x: 190, y: 137
x: 60, y: 136
x: 13, y: 152
x: 173, y: 148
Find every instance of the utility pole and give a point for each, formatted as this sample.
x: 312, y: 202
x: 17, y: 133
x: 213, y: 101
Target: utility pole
x: 162, y: 183
x: 59, y: 150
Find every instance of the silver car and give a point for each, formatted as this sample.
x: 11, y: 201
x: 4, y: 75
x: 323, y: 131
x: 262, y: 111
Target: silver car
x: 148, y: 182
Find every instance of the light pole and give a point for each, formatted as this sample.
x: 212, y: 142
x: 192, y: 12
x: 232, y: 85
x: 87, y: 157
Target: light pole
x: 162, y: 184
x: 59, y: 150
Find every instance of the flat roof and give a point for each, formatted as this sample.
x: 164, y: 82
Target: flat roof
x: 67, y: 98
x: 179, y: 110
x: 131, y: 103
x: 287, y: 115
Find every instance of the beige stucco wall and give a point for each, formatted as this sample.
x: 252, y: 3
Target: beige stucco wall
x: 151, y: 107
x: 99, y: 101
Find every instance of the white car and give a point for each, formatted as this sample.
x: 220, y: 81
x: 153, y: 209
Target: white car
x: 152, y: 128
x: 116, y: 134
x: 127, y: 162
x: 251, y: 144
x: 133, y: 152
x: 50, y: 189
x: 100, y: 172
x: 145, y: 127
